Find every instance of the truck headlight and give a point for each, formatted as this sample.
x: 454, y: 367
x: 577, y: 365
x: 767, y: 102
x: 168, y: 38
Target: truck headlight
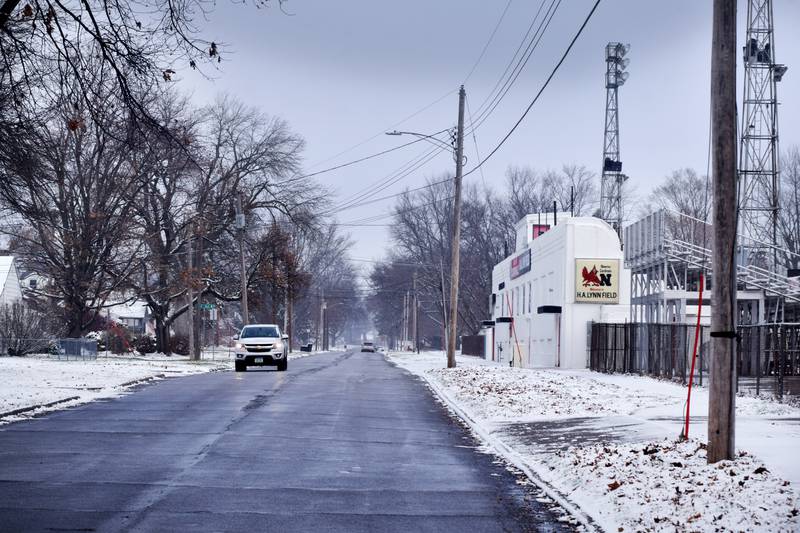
x: 238, y: 344
x: 278, y: 346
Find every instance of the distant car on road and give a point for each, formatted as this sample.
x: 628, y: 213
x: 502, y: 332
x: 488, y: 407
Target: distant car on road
x: 368, y: 347
x: 261, y: 345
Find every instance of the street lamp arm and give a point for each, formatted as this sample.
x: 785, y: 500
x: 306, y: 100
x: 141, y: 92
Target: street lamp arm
x: 431, y: 139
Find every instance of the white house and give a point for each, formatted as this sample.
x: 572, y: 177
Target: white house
x: 564, y: 273
x: 132, y: 314
x: 10, y: 288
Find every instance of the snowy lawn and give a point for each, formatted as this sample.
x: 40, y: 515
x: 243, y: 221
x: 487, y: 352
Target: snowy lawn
x: 612, y: 448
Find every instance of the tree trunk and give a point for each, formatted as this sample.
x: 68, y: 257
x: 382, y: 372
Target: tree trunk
x: 162, y: 335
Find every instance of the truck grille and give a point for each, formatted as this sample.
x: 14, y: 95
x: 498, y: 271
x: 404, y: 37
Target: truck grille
x: 258, y: 347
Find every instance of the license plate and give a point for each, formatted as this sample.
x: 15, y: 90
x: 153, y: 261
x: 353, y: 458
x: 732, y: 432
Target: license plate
x: 259, y: 359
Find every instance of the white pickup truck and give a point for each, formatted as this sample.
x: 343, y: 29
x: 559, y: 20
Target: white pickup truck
x: 261, y: 345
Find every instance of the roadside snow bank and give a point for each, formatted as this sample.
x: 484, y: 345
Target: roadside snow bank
x: 668, y: 486
x: 498, y: 394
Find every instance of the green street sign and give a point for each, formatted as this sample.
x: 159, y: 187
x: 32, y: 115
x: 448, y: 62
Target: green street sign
x: 207, y: 306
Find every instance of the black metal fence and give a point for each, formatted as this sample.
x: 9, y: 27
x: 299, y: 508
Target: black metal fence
x: 473, y: 345
x: 768, y: 354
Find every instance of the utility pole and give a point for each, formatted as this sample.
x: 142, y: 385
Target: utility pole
x: 406, y: 321
x: 722, y: 387
x: 456, y: 252
x: 444, y: 308
x: 190, y: 291
x: 240, y: 224
x: 416, y: 315
x: 325, y: 345
x: 320, y: 333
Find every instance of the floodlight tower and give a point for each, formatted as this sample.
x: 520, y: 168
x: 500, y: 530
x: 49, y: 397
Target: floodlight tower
x: 758, y: 153
x: 613, y: 178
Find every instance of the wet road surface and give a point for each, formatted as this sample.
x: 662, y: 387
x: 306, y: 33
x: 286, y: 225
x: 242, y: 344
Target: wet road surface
x: 339, y: 442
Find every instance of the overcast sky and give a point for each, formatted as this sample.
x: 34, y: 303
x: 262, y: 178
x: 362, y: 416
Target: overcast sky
x: 343, y: 72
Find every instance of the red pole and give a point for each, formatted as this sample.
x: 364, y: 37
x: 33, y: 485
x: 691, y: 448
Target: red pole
x: 694, y: 355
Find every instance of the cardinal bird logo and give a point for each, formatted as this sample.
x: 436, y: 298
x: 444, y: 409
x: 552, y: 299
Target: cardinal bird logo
x: 590, y: 277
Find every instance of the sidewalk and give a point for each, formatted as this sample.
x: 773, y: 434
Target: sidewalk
x: 608, y: 443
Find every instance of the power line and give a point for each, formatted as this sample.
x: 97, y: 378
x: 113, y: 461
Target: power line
x: 475, y: 141
x: 404, y: 171
x: 541, y: 90
x: 360, y: 160
x: 500, y: 81
x: 491, y: 103
x: 488, y: 42
x: 521, y: 64
x: 521, y: 118
x: 381, y: 132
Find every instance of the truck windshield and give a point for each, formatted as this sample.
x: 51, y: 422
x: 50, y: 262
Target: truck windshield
x: 260, y: 331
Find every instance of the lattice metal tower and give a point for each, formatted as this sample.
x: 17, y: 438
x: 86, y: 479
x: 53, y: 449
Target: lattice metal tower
x: 758, y: 153
x: 613, y: 178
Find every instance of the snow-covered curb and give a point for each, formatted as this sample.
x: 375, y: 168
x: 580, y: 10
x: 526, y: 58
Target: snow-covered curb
x: 506, y: 452
x: 538, y: 420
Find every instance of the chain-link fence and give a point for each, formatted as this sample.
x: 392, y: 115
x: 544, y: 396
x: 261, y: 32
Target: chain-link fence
x: 76, y: 349
x: 63, y: 349
x: 768, y: 359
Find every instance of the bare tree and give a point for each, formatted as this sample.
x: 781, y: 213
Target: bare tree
x: 25, y: 330
x: 789, y: 214
x: 75, y: 191
x: 221, y: 152
x: 323, y: 254
x: 687, y: 198
x: 136, y: 43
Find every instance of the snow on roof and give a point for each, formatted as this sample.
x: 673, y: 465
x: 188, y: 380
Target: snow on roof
x: 133, y: 309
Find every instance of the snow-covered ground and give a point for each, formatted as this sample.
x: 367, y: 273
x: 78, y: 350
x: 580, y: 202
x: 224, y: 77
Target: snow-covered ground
x: 608, y: 443
x: 40, y: 380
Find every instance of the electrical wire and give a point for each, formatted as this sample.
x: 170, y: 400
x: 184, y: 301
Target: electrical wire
x: 383, y: 131
x: 504, y: 88
x: 360, y: 160
x: 522, y: 117
x: 364, y: 197
x: 541, y: 90
x: 475, y: 141
x: 488, y: 42
x: 507, y: 79
x: 404, y: 171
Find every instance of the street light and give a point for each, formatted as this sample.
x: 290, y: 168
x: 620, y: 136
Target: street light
x: 456, y: 237
x: 433, y: 140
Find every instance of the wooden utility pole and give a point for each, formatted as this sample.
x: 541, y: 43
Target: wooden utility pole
x: 415, y: 310
x: 444, y: 309
x: 320, y: 334
x: 190, y: 291
x: 456, y: 252
x: 722, y: 387
x: 240, y: 224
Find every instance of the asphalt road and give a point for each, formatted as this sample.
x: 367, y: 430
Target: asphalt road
x: 339, y: 442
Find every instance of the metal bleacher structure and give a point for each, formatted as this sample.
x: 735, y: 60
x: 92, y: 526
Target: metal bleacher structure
x: 666, y: 252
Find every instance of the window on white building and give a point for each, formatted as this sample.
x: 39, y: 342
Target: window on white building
x: 523, y: 299
x: 530, y: 298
